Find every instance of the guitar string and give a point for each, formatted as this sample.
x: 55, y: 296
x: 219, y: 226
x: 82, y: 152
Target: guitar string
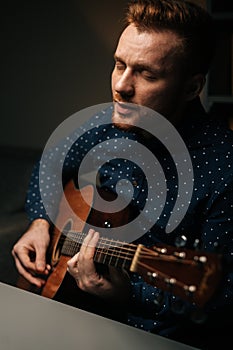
x: 72, y: 245
x: 66, y: 232
x: 112, y: 253
x: 102, y: 248
x: 102, y: 243
x: 100, y: 254
x: 110, y: 246
x: 129, y: 254
x: 107, y: 242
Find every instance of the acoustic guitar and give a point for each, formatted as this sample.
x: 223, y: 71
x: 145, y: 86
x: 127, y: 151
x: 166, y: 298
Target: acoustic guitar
x: 190, y: 274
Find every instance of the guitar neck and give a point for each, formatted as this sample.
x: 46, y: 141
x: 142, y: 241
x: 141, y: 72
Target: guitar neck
x: 189, y: 274
x: 108, y: 252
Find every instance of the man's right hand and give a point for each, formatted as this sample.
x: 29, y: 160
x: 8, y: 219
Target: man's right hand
x: 30, y: 252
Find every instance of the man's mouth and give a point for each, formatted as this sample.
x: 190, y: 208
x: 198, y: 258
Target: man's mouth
x: 125, y: 109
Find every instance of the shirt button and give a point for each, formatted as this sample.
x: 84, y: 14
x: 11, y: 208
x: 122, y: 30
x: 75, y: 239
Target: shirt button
x: 135, y: 183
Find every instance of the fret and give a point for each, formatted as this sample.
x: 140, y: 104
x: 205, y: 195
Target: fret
x: 108, y: 252
x: 127, y: 260
x: 117, y: 262
x: 101, y: 251
x: 111, y: 259
x: 117, y: 254
x: 72, y: 242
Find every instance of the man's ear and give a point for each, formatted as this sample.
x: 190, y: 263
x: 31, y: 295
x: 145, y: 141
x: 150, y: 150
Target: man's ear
x: 194, y: 86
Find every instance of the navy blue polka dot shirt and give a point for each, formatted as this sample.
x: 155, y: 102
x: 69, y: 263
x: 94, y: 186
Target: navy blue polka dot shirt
x: 209, y: 216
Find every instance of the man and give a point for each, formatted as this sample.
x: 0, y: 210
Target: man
x: 161, y: 61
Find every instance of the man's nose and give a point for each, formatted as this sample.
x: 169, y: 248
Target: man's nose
x: 125, y: 84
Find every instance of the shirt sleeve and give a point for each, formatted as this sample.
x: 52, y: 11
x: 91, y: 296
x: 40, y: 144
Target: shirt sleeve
x: 154, y: 309
x: 217, y: 236
x: 57, y: 165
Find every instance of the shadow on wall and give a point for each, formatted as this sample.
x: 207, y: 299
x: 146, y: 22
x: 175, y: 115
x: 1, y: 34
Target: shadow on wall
x: 57, y: 60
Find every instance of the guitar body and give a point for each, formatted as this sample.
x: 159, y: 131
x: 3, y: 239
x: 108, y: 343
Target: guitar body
x: 73, y: 218
x: 68, y: 218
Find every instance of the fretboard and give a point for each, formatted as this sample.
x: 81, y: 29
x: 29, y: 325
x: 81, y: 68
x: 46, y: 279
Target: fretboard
x: 108, y: 252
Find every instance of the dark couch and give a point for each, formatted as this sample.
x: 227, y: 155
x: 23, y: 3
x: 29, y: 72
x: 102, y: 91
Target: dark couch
x: 15, y: 170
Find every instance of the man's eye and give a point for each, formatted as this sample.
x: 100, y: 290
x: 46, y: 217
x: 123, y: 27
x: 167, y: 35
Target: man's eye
x: 120, y: 66
x: 149, y: 76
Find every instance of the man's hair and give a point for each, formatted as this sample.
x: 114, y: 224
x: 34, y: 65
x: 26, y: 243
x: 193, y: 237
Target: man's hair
x: 192, y: 23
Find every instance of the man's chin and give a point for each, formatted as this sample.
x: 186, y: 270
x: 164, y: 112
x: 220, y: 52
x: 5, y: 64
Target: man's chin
x: 129, y: 125
x: 122, y: 123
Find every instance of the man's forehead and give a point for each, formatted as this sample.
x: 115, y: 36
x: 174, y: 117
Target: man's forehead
x: 149, y: 36
x: 147, y: 46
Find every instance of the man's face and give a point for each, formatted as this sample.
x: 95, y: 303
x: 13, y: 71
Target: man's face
x: 147, y: 72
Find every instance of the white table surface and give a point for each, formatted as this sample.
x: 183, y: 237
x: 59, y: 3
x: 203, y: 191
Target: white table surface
x: 32, y: 322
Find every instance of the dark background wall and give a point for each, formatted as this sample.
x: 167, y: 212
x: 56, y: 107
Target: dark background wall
x: 56, y: 59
